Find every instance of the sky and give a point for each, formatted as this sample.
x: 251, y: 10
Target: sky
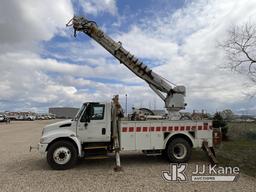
x: 43, y: 65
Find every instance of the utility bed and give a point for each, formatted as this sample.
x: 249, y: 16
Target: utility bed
x: 154, y: 134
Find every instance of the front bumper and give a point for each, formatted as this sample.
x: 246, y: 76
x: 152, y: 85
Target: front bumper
x: 42, y: 147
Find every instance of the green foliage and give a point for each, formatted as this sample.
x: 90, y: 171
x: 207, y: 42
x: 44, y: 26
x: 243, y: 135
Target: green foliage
x: 251, y: 136
x: 242, y: 130
x: 232, y: 153
x: 224, y: 131
x: 219, y: 122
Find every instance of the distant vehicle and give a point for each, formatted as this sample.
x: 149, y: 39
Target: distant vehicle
x: 20, y: 117
x: 25, y: 117
x: 40, y: 117
x: 29, y: 117
x: 4, y: 118
x: 45, y: 116
x: 11, y: 117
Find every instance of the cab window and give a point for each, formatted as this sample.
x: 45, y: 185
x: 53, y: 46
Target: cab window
x: 97, y: 112
x: 93, y: 112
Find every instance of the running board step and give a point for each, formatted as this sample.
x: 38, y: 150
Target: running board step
x: 153, y: 154
x: 95, y: 147
x: 97, y: 157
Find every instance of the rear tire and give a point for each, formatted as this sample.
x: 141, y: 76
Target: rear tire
x: 178, y: 150
x: 62, y: 155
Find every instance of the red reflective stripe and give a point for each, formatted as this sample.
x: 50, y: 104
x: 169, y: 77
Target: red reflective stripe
x: 165, y: 128
x: 131, y: 129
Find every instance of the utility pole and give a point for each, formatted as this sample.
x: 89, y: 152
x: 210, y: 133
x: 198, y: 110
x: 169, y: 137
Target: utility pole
x: 126, y: 105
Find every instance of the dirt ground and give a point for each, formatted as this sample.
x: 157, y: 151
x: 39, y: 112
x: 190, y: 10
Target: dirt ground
x: 21, y: 170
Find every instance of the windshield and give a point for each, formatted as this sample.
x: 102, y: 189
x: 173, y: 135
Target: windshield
x: 79, y: 113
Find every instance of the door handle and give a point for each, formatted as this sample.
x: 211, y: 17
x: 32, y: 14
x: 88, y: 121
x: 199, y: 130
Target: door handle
x: 103, y: 131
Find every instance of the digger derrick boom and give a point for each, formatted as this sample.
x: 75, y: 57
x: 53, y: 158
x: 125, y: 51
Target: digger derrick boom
x: 174, y: 98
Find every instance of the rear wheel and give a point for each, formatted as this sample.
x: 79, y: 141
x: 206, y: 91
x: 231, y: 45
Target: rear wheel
x: 62, y: 155
x: 178, y: 150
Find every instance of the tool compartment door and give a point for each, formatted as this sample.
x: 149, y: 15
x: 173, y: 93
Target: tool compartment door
x: 142, y: 132
x: 156, y: 135
x: 127, y: 136
x: 204, y: 132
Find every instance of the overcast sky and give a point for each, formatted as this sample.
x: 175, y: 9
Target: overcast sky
x: 43, y: 65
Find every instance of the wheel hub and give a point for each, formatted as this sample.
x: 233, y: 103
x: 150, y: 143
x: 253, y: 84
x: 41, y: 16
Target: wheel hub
x: 62, y: 155
x: 179, y: 151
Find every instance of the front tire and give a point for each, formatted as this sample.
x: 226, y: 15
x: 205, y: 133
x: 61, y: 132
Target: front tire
x: 62, y: 155
x: 178, y: 150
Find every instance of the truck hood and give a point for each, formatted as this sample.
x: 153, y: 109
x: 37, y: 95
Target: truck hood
x: 58, y: 125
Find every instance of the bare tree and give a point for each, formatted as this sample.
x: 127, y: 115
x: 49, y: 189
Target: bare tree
x: 240, y: 49
x: 227, y: 114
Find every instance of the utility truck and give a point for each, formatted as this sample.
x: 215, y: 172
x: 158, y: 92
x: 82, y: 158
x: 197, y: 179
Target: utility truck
x: 98, y: 128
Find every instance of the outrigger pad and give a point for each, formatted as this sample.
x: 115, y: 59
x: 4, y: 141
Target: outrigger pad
x: 118, y: 169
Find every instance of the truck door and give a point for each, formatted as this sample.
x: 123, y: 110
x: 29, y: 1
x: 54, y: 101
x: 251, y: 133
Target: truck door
x: 93, y: 125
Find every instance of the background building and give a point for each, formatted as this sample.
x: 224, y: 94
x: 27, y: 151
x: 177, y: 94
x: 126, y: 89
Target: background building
x: 64, y: 112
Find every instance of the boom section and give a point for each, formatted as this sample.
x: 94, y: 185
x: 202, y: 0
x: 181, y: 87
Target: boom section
x: 174, y: 99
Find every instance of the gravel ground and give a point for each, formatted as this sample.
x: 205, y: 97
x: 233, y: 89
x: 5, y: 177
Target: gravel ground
x: 21, y: 170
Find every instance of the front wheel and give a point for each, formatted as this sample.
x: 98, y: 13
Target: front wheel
x: 62, y: 155
x: 178, y: 150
